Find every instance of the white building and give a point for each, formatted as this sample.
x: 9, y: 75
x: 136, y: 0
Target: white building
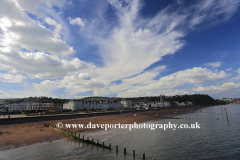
x: 167, y: 104
x: 12, y: 107
x: 73, y: 105
x: 91, y: 105
x: 39, y: 105
x: 31, y: 106
x: 126, y: 104
x: 117, y: 106
x: 22, y: 106
x: 157, y: 104
x: 27, y: 106
x: 77, y: 105
x: 183, y: 103
x: 15, y: 107
x: 102, y: 105
x: 45, y: 106
x: 161, y: 104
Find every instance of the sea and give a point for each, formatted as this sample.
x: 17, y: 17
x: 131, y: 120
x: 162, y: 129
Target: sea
x: 216, y: 137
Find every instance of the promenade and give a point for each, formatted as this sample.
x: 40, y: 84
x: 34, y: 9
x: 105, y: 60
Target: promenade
x: 19, y: 118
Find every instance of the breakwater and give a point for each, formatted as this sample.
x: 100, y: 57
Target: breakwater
x: 83, y: 139
x: 97, y: 143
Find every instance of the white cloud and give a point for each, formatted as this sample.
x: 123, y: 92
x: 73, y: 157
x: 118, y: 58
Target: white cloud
x: 28, y: 92
x: 195, y: 75
x: 58, y: 27
x: 83, y: 82
x: 229, y: 69
x: 76, y: 21
x: 4, y: 94
x: 20, y: 31
x: 191, y: 76
x: 235, y: 78
x: 213, y: 65
x: 144, y: 84
x: 238, y: 70
x: 46, y: 86
x: 218, y: 88
x: 37, y: 7
x: 73, y: 84
x: 135, y: 43
x: 136, y: 93
x: 41, y: 65
x: 139, y: 80
x: 11, y: 78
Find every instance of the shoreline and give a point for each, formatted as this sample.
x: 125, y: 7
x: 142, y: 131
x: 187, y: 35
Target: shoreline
x: 18, y: 135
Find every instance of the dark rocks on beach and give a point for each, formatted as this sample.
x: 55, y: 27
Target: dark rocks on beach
x: 46, y: 125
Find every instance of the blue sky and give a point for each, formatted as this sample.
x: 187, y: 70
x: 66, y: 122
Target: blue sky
x: 124, y: 48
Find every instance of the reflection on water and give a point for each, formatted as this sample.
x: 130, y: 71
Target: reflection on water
x: 218, y: 138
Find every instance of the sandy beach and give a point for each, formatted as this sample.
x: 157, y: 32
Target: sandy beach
x: 16, y: 135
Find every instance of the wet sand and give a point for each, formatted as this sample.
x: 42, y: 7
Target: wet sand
x: 15, y: 135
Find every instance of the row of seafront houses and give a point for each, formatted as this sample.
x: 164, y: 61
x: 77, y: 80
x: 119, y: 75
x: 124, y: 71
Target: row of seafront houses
x: 29, y: 106
x: 77, y: 105
x: 73, y: 105
x: 124, y: 104
x: 161, y: 104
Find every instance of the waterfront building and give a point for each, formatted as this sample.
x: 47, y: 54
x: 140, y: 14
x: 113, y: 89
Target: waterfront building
x: 166, y: 104
x: 73, y: 105
x: 116, y: 106
x: 12, y: 107
x: 89, y: 105
x: 161, y: 104
x: 183, y: 103
x: 126, y: 103
x: 22, y: 106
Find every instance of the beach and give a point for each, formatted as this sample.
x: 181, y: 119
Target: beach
x: 16, y: 135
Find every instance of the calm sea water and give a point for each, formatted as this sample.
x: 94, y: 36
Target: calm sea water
x: 218, y: 138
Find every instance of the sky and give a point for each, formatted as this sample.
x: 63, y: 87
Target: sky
x: 119, y: 48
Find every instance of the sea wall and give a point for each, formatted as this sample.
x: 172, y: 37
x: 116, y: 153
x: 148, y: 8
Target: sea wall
x: 39, y: 118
